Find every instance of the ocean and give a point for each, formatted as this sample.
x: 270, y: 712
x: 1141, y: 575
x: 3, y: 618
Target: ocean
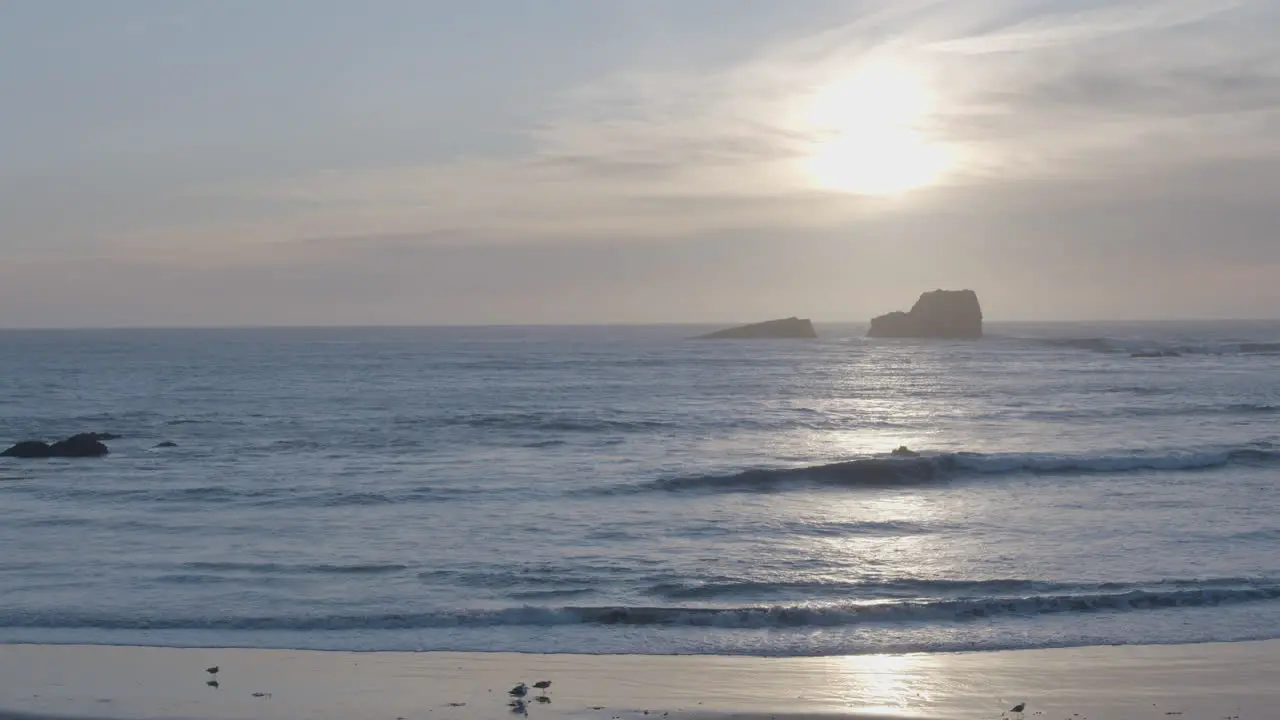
x: 627, y: 490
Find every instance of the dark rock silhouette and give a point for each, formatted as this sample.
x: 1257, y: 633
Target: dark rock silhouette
x: 84, y: 445
x: 791, y: 328
x: 945, y: 314
x: 28, y: 449
x: 167, y: 444
x: 904, y: 451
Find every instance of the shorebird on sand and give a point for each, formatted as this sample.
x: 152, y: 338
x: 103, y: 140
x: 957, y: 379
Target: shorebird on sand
x: 1018, y: 708
x: 213, y: 670
x: 543, y: 685
x: 519, y: 691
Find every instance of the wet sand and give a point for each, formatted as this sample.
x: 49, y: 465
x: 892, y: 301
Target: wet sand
x: 1189, y: 682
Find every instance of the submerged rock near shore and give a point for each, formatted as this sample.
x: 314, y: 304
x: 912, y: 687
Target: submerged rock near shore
x: 946, y: 314
x: 791, y: 328
x: 84, y: 445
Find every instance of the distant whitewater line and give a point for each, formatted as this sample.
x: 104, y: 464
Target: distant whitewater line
x: 800, y: 419
x: 1141, y: 411
x: 582, y: 423
x: 1113, y: 345
x: 553, y: 429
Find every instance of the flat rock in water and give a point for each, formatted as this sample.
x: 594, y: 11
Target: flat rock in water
x: 791, y: 328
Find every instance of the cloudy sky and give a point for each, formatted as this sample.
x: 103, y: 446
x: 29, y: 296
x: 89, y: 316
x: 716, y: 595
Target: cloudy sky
x: 579, y: 161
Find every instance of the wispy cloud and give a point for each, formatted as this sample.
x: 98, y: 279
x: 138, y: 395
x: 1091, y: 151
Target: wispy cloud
x: 1074, y: 27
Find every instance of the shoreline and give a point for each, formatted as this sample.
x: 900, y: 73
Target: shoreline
x: 578, y: 654
x: 1205, y: 680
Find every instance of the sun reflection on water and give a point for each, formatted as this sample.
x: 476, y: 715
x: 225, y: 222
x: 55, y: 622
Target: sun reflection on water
x: 881, y: 684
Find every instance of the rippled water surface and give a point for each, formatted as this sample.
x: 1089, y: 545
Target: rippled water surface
x: 627, y: 490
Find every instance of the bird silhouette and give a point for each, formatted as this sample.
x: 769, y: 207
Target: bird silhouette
x: 519, y: 691
x: 213, y: 670
x: 1019, y: 708
x: 542, y: 685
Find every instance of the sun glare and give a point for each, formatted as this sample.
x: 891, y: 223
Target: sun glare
x: 870, y: 134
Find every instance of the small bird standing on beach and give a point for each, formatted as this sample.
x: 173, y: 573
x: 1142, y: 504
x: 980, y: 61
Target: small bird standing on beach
x: 543, y: 685
x: 1018, y: 708
x: 519, y: 691
x: 213, y: 670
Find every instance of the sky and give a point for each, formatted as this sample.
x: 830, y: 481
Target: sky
x: 417, y: 162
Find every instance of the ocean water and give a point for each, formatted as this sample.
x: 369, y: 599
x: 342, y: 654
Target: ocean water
x: 604, y: 490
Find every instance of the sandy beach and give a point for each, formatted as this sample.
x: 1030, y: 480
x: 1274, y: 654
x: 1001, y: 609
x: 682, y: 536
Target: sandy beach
x: 1209, y: 681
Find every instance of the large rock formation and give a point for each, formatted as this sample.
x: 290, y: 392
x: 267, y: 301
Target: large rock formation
x: 951, y: 314
x: 791, y: 328
x: 77, y: 446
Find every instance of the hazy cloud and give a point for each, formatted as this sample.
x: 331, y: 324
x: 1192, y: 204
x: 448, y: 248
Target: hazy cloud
x: 1084, y: 139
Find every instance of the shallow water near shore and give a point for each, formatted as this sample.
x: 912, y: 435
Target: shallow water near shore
x: 1192, y: 682
x: 624, y: 490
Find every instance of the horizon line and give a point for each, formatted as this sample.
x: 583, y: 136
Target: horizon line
x: 616, y: 324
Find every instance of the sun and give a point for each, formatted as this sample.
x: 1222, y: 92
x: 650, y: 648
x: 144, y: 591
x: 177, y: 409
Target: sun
x: 869, y: 133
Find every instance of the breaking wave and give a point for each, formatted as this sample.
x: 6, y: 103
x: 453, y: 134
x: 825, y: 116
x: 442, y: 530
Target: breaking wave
x: 874, y: 472
x: 763, y: 617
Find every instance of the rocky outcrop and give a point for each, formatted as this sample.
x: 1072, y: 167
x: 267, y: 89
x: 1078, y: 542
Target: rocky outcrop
x: 946, y: 314
x: 28, y: 449
x: 791, y: 328
x: 84, y: 445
